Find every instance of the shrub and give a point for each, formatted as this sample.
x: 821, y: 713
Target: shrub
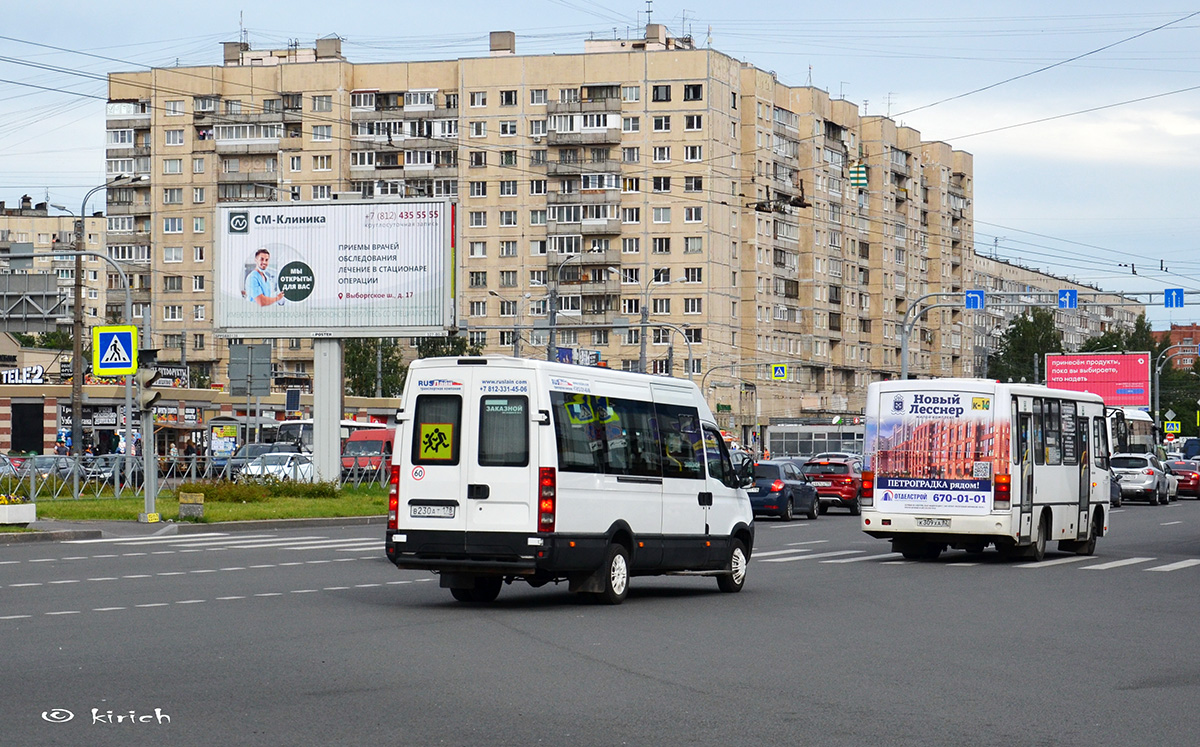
x: 227, y: 492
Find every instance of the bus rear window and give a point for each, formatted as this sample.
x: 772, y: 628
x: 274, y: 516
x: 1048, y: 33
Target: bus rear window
x: 504, y: 432
x: 436, y: 429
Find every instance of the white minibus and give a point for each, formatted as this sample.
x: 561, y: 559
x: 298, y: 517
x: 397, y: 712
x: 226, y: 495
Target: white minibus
x: 968, y: 463
x: 510, y: 469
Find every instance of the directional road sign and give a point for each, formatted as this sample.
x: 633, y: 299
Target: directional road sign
x: 114, y: 350
x: 975, y: 299
x: 1173, y: 298
x: 1068, y: 298
x: 779, y: 371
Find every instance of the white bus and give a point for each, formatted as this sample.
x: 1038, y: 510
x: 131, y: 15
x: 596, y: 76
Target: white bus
x: 301, y: 431
x: 967, y: 463
x: 511, y: 469
x: 1131, y: 431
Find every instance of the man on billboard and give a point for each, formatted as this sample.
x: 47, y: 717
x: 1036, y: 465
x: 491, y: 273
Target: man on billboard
x: 262, y: 283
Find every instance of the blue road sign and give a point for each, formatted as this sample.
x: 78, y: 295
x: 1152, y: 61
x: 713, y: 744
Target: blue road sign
x: 779, y: 371
x: 975, y: 299
x: 114, y: 350
x: 1173, y: 298
x: 1068, y: 299
x: 566, y: 355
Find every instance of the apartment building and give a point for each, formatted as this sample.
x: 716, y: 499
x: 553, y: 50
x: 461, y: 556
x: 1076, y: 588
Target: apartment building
x: 677, y: 201
x: 31, y: 225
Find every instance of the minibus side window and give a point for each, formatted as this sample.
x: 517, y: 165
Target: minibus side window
x: 1052, y: 428
x: 720, y: 466
x: 682, y: 447
x: 503, y: 431
x: 1039, y: 440
x: 632, y: 439
x: 606, y: 435
x: 579, y: 437
x: 436, y: 427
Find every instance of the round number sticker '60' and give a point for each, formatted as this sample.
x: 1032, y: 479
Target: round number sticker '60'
x: 418, y: 473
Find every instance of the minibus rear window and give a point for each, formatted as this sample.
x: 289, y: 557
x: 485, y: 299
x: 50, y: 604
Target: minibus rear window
x: 436, y: 429
x: 503, y: 431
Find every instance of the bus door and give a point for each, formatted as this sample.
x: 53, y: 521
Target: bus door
x: 1025, y: 446
x: 1084, y: 447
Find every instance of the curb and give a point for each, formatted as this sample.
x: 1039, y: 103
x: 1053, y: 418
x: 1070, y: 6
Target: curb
x: 59, y: 535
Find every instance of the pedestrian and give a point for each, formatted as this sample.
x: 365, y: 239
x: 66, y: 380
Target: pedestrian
x: 60, y: 448
x: 137, y: 447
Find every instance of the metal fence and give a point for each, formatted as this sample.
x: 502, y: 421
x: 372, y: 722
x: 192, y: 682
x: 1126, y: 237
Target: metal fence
x: 69, y: 477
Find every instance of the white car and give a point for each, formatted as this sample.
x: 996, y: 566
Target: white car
x: 279, y: 466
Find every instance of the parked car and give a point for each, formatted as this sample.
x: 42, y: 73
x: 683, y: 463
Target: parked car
x: 280, y: 466
x: 110, y: 468
x: 835, y: 455
x: 7, y: 467
x: 1188, y: 472
x: 838, y: 482
x: 248, y: 452
x: 780, y: 489
x: 1142, y: 476
x: 46, y: 466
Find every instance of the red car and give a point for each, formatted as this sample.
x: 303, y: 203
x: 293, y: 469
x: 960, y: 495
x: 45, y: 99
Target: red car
x: 1188, y: 472
x: 838, y: 482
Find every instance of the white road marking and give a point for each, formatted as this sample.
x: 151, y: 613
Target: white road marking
x: 14, y: 617
x: 64, y: 612
x: 234, y: 568
x: 127, y: 539
x: 106, y: 609
x: 897, y: 562
x: 132, y: 554
x: 32, y: 583
x: 864, y: 557
x: 9, y: 562
x: 806, y: 542
x: 158, y: 552
x: 961, y: 565
x: 43, y: 560
x: 1052, y: 563
x: 250, y: 543
x: 833, y: 554
x: 1170, y: 523
x: 317, y: 562
x: 1117, y: 564
x: 73, y: 557
x: 303, y: 591
x: 365, y: 586
x: 66, y: 581
x: 1176, y: 566
x: 173, y: 573
x: 336, y: 588
x: 264, y: 565
x: 270, y: 594
x: 191, y: 601
x: 204, y: 570
x: 112, y: 555
x: 227, y: 598
x: 138, y: 575
x: 103, y: 578
x: 153, y: 604
x: 295, y: 562
x: 780, y: 552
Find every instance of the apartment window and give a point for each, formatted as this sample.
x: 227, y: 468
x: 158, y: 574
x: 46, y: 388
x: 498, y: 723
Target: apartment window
x: 322, y: 103
x: 174, y: 137
x: 172, y: 225
x: 173, y: 313
x: 197, y: 195
x: 693, y: 92
x: 231, y: 165
x: 537, y: 186
x: 508, y: 127
x: 478, y: 129
x: 197, y: 282
x: 631, y: 155
x: 631, y: 124
x: 537, y: 96
x: 660, y: 93
x: 198, y: 224
x: 631, y: 215
x: 508, y: 217
x: 662, y: 153
x: 120, y: 224
x: 478, y: 189
x: 362, y: 100
x: 537, y: 158
x: 173, y: 108
x: 508, y: 158
x: 452, y: 101
x: 631, y: 306
x: 508, y: 188
x: 693, y: 244
x: 479, y: 308
x: 631, y: 93
x: 631, y: 246
x: 508, y: 98
x: 508, y: 278
x: 693, y: 183
x: 537, y: 248
x: 198, y: 165
x: 508, y: 248
x: 294, y: 193
x: 662, y: 215
x: 205, y: 104
x: 661, y: 245
x: 172, y: 165
x: 197, y: 254
x: 692, y: 306
x: 295, y: 163
x: 173, y: 283
x: 198, y: 312
x: 631, y: 185
x: 662, y: 184
x: 322, y: 133
x: 173, y: 196
x: 478, y: 98
x: 693, y: 214
x: 272, y: 106
x: 173, y: 253
x: 478, y: 249
x: 568, y: 95
x: 361, y: 158
x: 478, y: 218
x: 662, y: 124
x: 322, y: 192
x: 660, y: 305
x: 692, y: 122
x: 693, y: 274
x: 233, y: 106
x: 692, y: 152
x: 198, y: 341
x: 537, y: 217
x: 478, y: 158
x: 537, y: 127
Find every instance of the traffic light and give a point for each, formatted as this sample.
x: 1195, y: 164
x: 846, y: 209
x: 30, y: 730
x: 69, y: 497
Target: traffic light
x: 147, y: 395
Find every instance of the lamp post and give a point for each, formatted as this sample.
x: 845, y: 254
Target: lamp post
x: 516, y: 320
x: 1160, y: 361
x: 552, y: 312
x: 645, y: 318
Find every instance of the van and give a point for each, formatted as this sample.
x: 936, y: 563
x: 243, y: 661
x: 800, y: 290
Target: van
x: 509, y: 469
x: 366, y: 450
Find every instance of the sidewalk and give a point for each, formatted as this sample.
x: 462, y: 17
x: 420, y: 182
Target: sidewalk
x: 49, y: 530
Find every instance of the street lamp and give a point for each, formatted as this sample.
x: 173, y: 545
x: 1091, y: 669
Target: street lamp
x: 552, y: 313
x: 645, y: 317
x: 77, y: 326
x: 1160, y: 361
x: 516, y: 322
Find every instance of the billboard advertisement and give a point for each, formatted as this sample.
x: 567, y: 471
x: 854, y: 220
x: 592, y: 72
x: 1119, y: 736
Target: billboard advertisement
x: 335, y: 269
x: 1121, y: 379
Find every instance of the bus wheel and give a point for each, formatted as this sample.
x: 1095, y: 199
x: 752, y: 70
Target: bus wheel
x: 733, y: 581
x: 616, y: 575
x: 1037, y: 550
x: 1088, y: 546
x: 486, y: 589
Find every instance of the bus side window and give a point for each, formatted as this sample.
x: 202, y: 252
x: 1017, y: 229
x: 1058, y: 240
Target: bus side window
x: 1039, y: 437
x: 1100, y: 443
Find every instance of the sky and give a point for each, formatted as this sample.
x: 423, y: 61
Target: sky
x: 1083, y: 117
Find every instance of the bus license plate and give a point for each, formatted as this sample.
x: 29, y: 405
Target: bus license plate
x: 945, y: 523
x: 822, y: 484
x: 436, y: 512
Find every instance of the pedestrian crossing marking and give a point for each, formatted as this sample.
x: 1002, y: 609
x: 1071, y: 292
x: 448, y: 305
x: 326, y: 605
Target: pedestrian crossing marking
x: 1176, y: 566
x: 1117, y: 564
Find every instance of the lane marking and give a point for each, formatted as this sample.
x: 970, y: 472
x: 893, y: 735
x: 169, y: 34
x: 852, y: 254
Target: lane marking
x: 1117, y: 564
x: 249, y: 543
x: 126, y: 539
x: 1052, y: 563
x: 132, y: 554
x: 30, y: 583
x: 43, y: 560
x: 227, y: 598
x: 1176, y: 566
x: 8, y: 562
x: 204, y: 570
x: 64, y: 612
x: 153, y: 604
x: 304, y: 591
x: 806, y: 542
x: 316, y: 562
x: 264, y: 565
x: 138, y: 575
x: 106, y: 609
x: 192, y: 601
x: 14, y: 617
x: 172, y: 573
x: 270, y: 594
x: 103, y: 578
x: 1170, y: 523
x: 833, y: 554
x: 112, y: 555
x: 234, y: 568
x: 780, y: 552
x: 963, y: 564
x: 158, y: 552
x: 897, y: 562
x: 295, y: 562
x: 864, y: 557
x: 66, y: 581
x: 72, y: 557
x: 335, y: 588
x: 365, y: 586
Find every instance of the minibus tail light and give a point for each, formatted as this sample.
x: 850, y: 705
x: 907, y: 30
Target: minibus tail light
x: 1002, y: 500
x: 866, y: 495
x: 547, y: 497
x: 394, y: 499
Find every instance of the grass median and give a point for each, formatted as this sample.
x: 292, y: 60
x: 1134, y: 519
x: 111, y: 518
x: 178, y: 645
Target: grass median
x: 237, y: 503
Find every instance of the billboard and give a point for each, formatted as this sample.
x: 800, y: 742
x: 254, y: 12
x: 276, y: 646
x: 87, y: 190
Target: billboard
x: 1121, y: 379
x: 335, y: 269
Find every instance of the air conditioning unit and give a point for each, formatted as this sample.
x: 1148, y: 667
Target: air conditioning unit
x: 537, y: 138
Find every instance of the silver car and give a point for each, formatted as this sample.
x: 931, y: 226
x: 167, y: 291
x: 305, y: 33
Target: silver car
x: 1142, y: 476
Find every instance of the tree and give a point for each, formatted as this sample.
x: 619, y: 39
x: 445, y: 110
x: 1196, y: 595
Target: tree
x: 361, y: 363
x: 1027, y: 339
x: 436, y: 347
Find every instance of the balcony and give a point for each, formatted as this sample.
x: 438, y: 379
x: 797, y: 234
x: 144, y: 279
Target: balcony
x: 589, y: 197
x: 244, y: 147
x: 569, y: 168
x: 142, y: 151
x: 249, y: 177
x: 128, y: 208
x: 247, y: 118
x: 583, y: 106
x: 586, y: 137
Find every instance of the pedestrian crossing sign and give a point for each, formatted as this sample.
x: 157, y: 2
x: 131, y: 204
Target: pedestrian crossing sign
x: 114, y: 350
x: 779, y: 371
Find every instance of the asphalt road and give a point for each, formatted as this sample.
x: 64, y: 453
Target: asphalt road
x: 311, y: 637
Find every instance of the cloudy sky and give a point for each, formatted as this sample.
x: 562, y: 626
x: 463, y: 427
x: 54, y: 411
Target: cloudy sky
x: 1083, y: 118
